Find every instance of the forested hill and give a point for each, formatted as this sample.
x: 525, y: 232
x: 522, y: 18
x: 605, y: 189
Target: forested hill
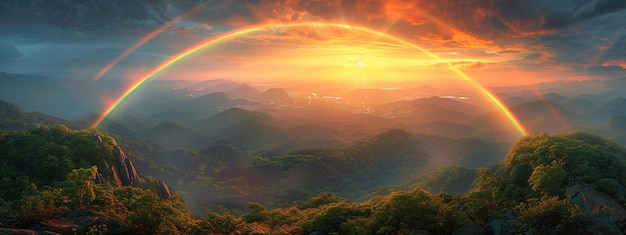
x: 56, y: 179
x: 84, y: 179
x: 13, y: 118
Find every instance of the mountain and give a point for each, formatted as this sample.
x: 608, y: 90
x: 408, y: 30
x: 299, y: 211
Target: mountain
x: 469, y: 152
x: 445, y: 129
x: 453, y: 180
x: 212, y: 103
x: 243, y: 90
x: 275, y: 94
x: 316, y: 135
x: 434, y: 109
x: 54, y: 96
x: 368, y: 96
x: 415, y: 112
x: 556, y: 98
x: 224, y: 152
x: 618, y: 103
x: 537, y: 116
x: 191, y: 111
x: 616, y: 130
x: 246, y: 130
x: 581, y: 105
x: 173, y: 135
x: 114, y: 127
x: 13, y: 118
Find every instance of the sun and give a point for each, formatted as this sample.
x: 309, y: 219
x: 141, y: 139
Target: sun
x: 360, y: 63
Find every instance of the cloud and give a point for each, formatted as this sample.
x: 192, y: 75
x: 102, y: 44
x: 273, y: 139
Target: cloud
x: 8, y: 52
x: 558, y: 19
x: 571, y: 34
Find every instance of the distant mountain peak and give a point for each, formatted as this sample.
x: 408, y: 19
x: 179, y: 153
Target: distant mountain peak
x: 617, y: 103
x: 275, y: 94
x: 215, y: 95
x: 243, y: 90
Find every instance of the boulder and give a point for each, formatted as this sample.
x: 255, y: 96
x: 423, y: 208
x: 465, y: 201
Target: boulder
x: 605, y: 214
x: 13, y: 231
x: 7, y: 220
x: 80, y: 222
x: 470, y: 229
x: 496, y: 226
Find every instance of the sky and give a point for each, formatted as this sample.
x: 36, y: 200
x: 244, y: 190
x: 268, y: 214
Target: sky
x: 495, y: 42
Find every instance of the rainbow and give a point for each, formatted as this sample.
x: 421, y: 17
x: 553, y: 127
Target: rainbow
x: 147, y: 38
x: 262, y: 27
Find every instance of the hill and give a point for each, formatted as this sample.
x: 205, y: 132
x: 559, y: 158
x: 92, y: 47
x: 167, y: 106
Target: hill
x: 537, y: 116
x: 246, y: 130
x: 274, y: 94
x: 13, y: 118
x: 172, y: 135
x: 545, y: 183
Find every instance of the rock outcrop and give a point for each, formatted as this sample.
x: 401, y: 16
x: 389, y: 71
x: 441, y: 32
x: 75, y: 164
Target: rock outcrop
x: 80, y: 222
x: 122, y: 170
x: 163, y: 190
x: 13, y: 231
x: 69, y: 222
x: 125, y: 168
x: 604, y: 213
x: 470, y: 229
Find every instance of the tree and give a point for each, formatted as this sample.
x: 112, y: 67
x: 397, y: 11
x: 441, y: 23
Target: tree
x: 551, y: 212
x: 81, y: 185
x: 221, y: 224
x: 151, y: 216
x: 257, y: 213
x: 483, y: 200
x: 549, y: 179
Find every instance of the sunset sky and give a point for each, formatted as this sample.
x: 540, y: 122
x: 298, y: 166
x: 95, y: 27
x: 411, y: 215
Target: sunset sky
x: 496, y: 42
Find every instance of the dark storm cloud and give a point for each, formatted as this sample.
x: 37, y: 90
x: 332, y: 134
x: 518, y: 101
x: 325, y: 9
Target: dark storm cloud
x: 8, y: 52
x: 615, y: 54
x: 532, y: 30
x: 602, y: 7
x: 39, y: 20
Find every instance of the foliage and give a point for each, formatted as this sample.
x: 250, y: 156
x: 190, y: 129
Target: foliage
x: 46, y: 155
x: 49, y: 169
x: 544, y: 165
x: 552, y: 212
x: 221, y: 224
x: 81, y: 185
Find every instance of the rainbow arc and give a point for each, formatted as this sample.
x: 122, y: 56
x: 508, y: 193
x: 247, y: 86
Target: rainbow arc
x: 268, y: 27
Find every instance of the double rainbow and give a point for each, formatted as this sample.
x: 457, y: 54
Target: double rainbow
x: 221, y: 38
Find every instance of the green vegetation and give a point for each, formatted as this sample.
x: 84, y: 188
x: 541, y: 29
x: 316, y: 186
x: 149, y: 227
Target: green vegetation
x: 50, y: 169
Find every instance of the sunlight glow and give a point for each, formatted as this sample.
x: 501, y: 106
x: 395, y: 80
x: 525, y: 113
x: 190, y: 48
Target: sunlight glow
x: 278, y: 28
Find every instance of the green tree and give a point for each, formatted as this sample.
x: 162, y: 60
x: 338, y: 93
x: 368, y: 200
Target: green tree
x: 151, y: 216
x: 551, y: 211
x: 221, y: 224
x: 483, y: 199
x: 257, y: 213
x: 549, y: 179
x: 81, y: 185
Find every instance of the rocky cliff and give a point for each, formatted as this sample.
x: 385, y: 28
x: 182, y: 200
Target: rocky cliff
x: 125, y: 168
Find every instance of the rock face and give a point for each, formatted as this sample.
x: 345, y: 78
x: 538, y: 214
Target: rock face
x: 163, y: 190
x: 122, y: 170
x: 605, y: 214
x: 470, y: 229
x: 13, y: 231
x: 80, y: 222
x: 71, y: 222
x: 125, y: 168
